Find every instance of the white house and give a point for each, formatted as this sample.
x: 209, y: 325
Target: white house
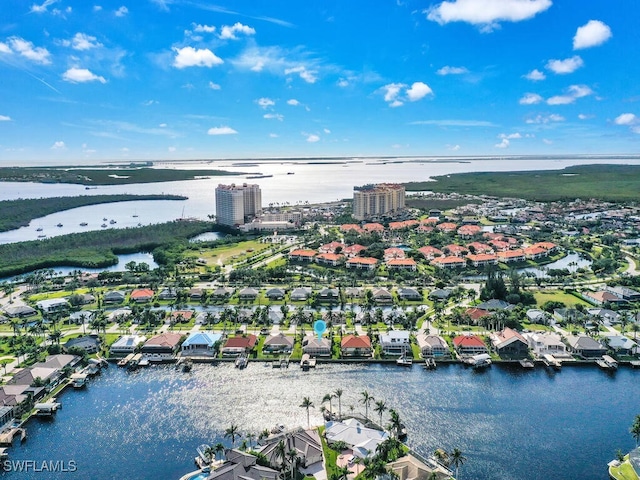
x: 126, y: 344
x: 395, y: 342
x: 361, y: 439
x: 53, y: 305
x: 545, y: 343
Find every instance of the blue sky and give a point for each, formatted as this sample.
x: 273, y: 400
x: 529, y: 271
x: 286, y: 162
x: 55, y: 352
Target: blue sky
x: 84, y: 81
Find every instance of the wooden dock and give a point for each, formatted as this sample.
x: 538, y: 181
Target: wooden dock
x: 430, y: 364
x: 7, y: 437
x: 526, y: 363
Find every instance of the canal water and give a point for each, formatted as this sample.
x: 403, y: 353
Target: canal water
x: 510, y: 424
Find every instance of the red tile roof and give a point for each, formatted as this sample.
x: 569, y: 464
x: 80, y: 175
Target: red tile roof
x: 468, y: 341
x: 164, y: 340
x: 241, y: 342
x: 142, y: 293
x: 373, y: 227
x: 401, y: 262
x: 363, y: 261
x: 352, y: 341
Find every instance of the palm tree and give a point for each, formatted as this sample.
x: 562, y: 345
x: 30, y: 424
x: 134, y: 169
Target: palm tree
x: 327, y: 398
x: 366, y: 400
x: 264, y: 434
x: 635, y: 429
x: 251, y: 437
x: 338, y: 394
x: 218, y: 448
x: 380, y: 408
x: 307, y: 403
x: 457, y: 460
x: 342, y: 473
x: 280, y: 453
x: 395, y: 425
x: 210, y: 452
x: 232, y: 432
x: 292, y: 455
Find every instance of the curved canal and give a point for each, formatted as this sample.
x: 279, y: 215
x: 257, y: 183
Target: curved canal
x: 510, y: 424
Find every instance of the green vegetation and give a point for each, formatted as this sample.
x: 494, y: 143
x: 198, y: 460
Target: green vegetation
x: 104, y: 176
x: 623, y: 472
x: 605, y: 182
x: 99, y: 248
x: 18, y: 213
x: 428, y: 203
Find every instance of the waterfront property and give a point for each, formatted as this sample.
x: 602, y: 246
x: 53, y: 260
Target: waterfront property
x: 241, y: 345
x: 433, y: 346
x: 239, y: 465
x: 126, y: 344
x: 88, y: 343
x: 161, y: 347
x: 585, y: 346
x: 545, y: 343
x: 509, y: 343
x: 468, y: 345
x: 306, y: 443
x: 201, y: 344
x: 395, y: 342
x: 278, y: 343
x: 353, y: 346
x: 362, y: 440
x: 412, y: 467
x: 316, y: 347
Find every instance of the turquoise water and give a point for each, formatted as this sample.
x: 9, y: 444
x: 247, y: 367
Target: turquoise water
x: 509, y: 423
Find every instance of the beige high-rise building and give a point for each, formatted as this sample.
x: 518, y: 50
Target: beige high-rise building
x: 235, y: 204
x: 371, y: 201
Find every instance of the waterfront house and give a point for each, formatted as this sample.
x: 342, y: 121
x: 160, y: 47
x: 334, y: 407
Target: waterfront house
x: 354, y: 292
x: 410, y: 467
x: 355, y: 346
x: 306, y: 443
x: 119, y: 314
x: 126, y: 344
x: 248, y: 294
x: 585, y: 346
x: 180, y: 316
x: 316, y: 347
x: 35, y: 374
x: 300, y: 294
x: 601, y: 297
x: 512, y: 256
x: 275, y: 294
x: 508, y: 342
x: 162, y: 347
x: 622, y: 345
x: 169, y: 293
x: 196, y: 293
x: 433, y: 346
x: 114, y: 296
x: 53, y: 305
x: 275, y: 317
x: 88, y: 343
x: 382, y: 295
x: 239, y: 465
x: 625, y: 293
x: 222, y: 292
x: 469, y: 345
x: 201, y: 344
x: 395, y: 342
x: 278, y: 343
x: 408, y: 293
x: 328, y: 295
x: 482, y: 259
x: 354, y: 434
x: 239, y: 345
x: 141, y: 295
x: 545, y: 343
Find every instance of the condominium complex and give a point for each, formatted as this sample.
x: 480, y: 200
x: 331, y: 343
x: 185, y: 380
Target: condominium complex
x: 236, y: 204
x: 383, y: 199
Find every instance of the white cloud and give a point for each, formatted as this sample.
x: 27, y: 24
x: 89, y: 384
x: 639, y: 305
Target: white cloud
x: 27, y: 50
x: 547, y: 141
x: 4, y: 48
x: 326, y: 130
x: 504, y: 143
x: 455, y: 123
x: 81, y: 75
x: 43, y: 7
x: 625, y: 119
x: 214, y: 86
x: 487, y: 14
x: 454, y: 148
x: 568, y: 65
x: 224, y: 130
x: 592, y: 34
x: 312, y: 138
x: 163, y: 125
x: 148, y: 103
x: 573, y: 92
x: 447, y: 70
x: 273, y: 135
x: 273, y: 116
x: 418, y: 91
x: 265, y: 102
x: 308, y: 76
x: 58, y: 145
x: 392, y: 90
x: 530, y: 99
x: 535, y: 75
x: 554, y: 117
x: 82, y: 41
x: 510, y: 136
x: 203, y: 28
x: 584, y: 116
x: 343, y: 82
x: 229, y: 32
x: 293, y: 102
x: 192, y: 57
x: 4, y: 118
x: 97, y: 8
x: 122, y: 11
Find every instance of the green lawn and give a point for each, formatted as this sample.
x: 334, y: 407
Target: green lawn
x: 624, y: 472
x: 558, y: 296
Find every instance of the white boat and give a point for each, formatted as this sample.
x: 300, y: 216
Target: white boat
x: 404, y: 361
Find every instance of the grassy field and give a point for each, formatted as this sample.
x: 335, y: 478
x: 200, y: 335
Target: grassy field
x: 606, y: 182
x: 234, y: 253
x: 558, y: 296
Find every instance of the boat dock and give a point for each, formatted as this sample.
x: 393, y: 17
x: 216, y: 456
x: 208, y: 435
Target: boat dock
x: 46, y: 410
x: 479, y: 361
x: 607, y: 363
x: 404, y: 361
x: 551, y: 361
x: 526, y: 363
x: 430, y: 364
x: 242, y: 361
x: 7, y: 437
x: 307, y: 362
x: 78, y: 380
x: 126, y: 360
x: 135, y: 361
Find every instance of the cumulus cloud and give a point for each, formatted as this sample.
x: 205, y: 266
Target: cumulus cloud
x: 122, y: 11
x: 343, y: 83
x: 81, y: 75
x: 454, y: 148
x: 625, y: 119
x: 568, y: 65
x: 265, y: 102
x: 418, y: 91
x: 273, y: 135
x: 58, y: 145
x: 504, y: 143
x: 195, y: 57
x: 293, y: 102
x: 312, y: 138
x: 326, y: 130
x: 28, y: 50
x: 530, y: 99
x: 308, y: 76
x: 273, y: 116
x: 554, y: 117
x: 4, y: 118
x: 214, y: 86
x: 4, y: 48
x: 535, y: 75
x: 203, y: 28
x: 573, y: 92
x: 486, y: 14
x: 82, y: 41
x: 584, y: 116
x: 447, y: 70
x: 592, y: 34
x: 224, y: 130
x: 35, y: 8
x: 229, y: 32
